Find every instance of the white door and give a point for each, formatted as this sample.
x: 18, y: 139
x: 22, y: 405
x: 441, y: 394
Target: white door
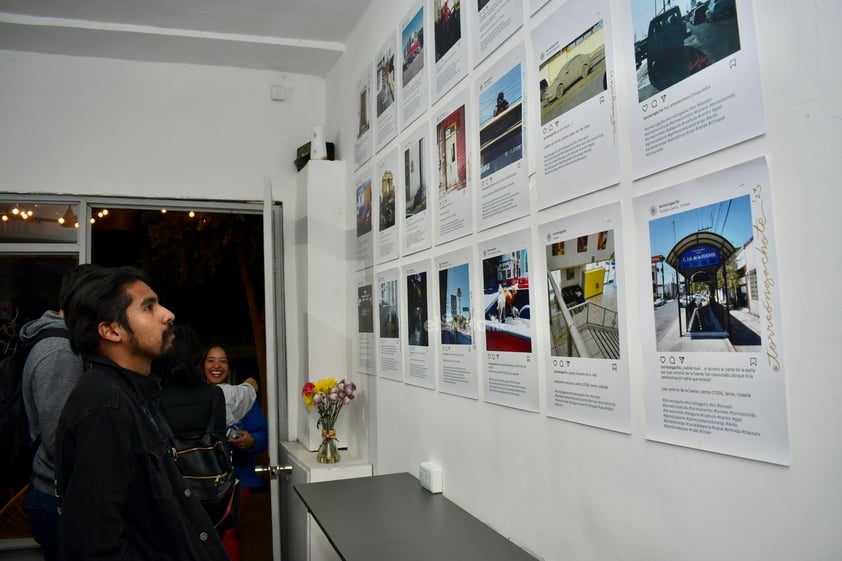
x: 276, y: 377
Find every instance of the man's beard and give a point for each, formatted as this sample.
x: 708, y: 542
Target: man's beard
x: 167, y: 340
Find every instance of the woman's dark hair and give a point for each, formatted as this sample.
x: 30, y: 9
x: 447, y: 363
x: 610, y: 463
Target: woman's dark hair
x: 98, y: 295
x: 182, y: 363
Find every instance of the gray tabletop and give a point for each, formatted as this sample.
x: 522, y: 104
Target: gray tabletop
x: 392, y: 518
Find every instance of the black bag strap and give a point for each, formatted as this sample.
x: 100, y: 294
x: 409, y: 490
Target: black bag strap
x: 47, y: 333
x: 30, y: 344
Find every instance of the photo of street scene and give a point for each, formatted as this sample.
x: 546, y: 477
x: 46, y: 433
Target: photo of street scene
x: 675, y: 40
x: 365, y: 309
x: 364, y: 208
x: 450, y: 141
x: 505, y: 302
x: 389, y: 327
x: 501, y: 122
x: 447, y: 25
x: 385, y: 80
x: 416, y: 309
x: 455, y: 306
x: 574, y: 74
x: 412, y: 39
x: 387, y: 200
x: 703, y: 274
x: 583, y: 297
x: 415, y: 184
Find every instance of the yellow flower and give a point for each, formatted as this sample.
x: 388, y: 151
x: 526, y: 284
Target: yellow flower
x: 324, y: 386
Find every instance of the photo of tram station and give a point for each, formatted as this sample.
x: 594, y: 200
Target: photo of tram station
x: 704, y: 279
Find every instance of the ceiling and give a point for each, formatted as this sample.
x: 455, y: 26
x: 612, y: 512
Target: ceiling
x: 304, y: 37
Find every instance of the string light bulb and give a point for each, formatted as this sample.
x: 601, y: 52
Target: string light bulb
x: 69, y: 218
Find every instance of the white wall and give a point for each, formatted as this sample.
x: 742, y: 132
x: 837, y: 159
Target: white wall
x: 567, y: 491
x: 105, y: 127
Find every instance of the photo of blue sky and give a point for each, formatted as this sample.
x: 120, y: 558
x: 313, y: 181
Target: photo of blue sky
x: 455, y: 306
x: 457, y: 278
x: 509, y: 84
x: 416, y: 25
x: 730, y: 218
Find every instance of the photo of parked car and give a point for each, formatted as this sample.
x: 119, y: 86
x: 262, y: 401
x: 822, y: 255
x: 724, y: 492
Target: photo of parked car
x: 699, y: 14
x: 575, y: 68
x: 666, y: 57
x: 675, y: 44
x: 720, y: 9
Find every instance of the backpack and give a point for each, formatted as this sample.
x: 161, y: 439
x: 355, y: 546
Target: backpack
x: 205, y: 463
x: 19, y: 449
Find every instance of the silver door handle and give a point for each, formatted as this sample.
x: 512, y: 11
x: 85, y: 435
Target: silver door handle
x: 272, y: 471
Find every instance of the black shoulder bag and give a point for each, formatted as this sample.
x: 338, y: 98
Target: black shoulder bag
x: 205, y: 463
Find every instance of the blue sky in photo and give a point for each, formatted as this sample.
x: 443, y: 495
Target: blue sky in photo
x: 511, y: 87
x: 416, y: 24
x: 730, y: 218
x: 457, y: 277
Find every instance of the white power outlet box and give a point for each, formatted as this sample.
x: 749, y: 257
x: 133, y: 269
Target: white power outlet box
x: 430, y: 477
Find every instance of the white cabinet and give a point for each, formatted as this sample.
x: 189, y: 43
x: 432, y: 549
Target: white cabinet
x: 302, y: 539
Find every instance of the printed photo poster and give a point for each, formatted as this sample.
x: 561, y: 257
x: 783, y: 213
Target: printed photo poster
x: 417, y: 230
x: 419, y: 364
x: 389, y: 350
x: 365, y: 322
x: 535, y: 5
x: 587, y: 364
x: 579, y: 150
x: 386, y: 94
x: 710, y: 320
x: 508, y: 358
x: 493, y: 22
x: 413, y: 97
x: 454, y: 202
x: 365, y: 236
x: 362, y: 146
x: 450, y: 47
x: 457, y: 371
x: 387, y: 246
x: 503, y: 173
x: 697, y: 81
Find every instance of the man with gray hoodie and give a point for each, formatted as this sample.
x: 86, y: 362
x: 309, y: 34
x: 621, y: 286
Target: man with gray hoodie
x: 50, y: 374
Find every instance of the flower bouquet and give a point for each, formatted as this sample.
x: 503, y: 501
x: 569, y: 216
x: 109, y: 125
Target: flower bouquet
x: 328, y: 396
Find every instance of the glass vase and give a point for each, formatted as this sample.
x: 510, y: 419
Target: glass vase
x: 327, y: 453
